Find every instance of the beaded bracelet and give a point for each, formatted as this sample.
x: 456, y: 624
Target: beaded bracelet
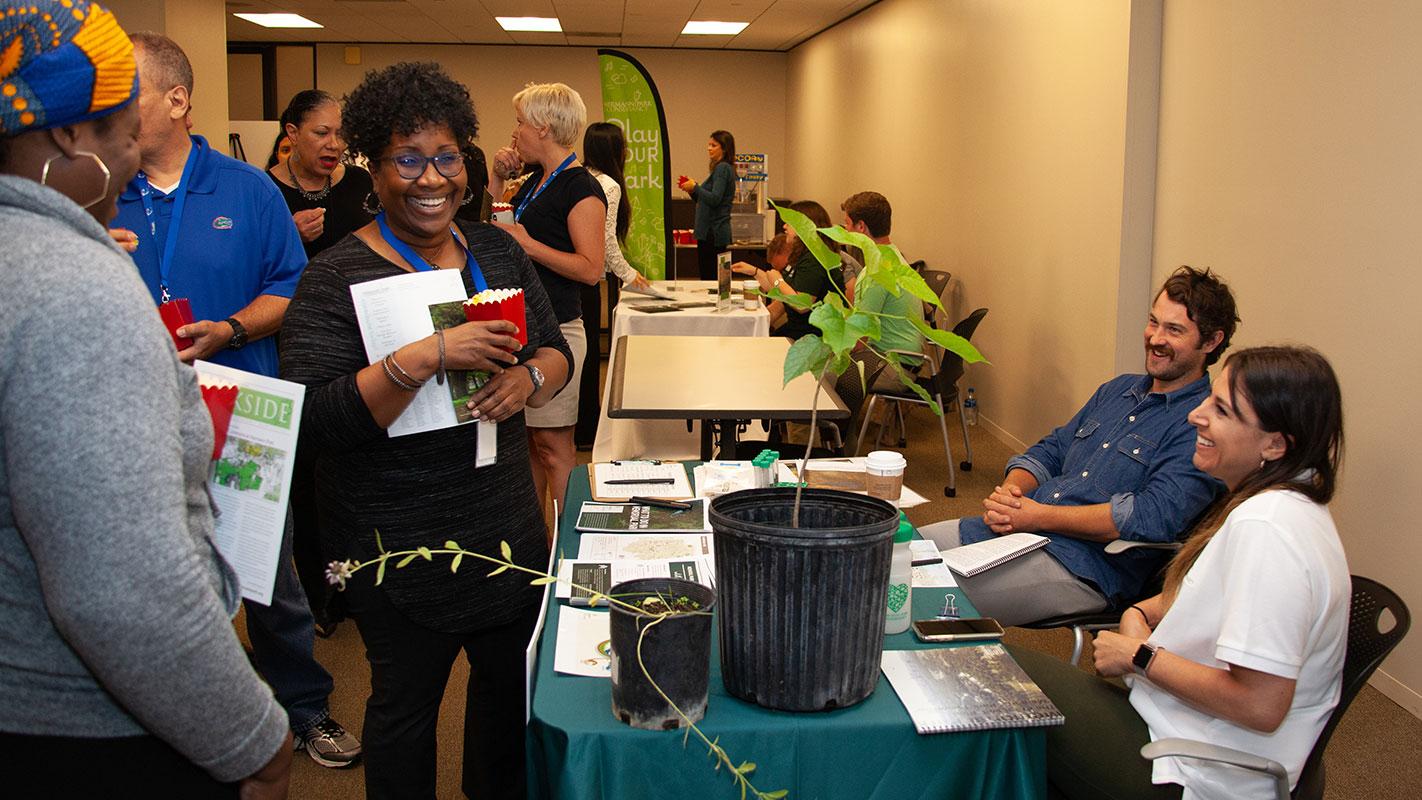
x: 407, y: 376
x: 395, y: 379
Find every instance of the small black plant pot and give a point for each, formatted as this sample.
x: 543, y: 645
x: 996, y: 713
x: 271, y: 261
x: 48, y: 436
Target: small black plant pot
x: 802, y: 609
x: 676, y: 651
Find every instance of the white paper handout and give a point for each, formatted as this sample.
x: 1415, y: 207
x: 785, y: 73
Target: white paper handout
x: 394, y: 311
x: 601, y: 576
x: 251, y: 479
x: 644, y: 546
x: 934, y: 574
x: 584, y: 644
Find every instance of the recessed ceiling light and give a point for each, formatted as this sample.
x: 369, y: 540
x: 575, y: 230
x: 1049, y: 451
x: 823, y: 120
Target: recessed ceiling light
x: 544, y: 24
x: 280, y: 20
x: 708, y: 27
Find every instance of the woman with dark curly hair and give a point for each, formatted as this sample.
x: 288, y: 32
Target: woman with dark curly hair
x: 413, y: 122
x: 323, y: 193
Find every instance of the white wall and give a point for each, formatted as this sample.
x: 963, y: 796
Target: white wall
x: 701, y: 90
x: 200, y: 28
x: 1289, y: 161
x: 998, y: 131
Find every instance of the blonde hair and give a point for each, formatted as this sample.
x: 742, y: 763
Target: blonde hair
x: 555, y: 106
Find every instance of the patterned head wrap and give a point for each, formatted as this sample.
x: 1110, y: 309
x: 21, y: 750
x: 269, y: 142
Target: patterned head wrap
x: 61, y: 62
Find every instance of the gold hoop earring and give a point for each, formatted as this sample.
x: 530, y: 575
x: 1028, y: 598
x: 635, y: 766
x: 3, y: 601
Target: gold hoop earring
x: 104, y: 168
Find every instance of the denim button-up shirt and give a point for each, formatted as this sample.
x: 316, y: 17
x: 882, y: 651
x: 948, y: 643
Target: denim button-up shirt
x: 1130, y: 448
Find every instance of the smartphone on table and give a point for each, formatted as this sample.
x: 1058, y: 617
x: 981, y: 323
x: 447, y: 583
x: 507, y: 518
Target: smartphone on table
x: 957, y: 630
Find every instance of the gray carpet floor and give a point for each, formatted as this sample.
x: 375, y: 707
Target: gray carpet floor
x: 1376, y: 752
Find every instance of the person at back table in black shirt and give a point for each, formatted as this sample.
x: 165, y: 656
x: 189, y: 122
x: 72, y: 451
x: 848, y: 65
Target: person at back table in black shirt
x: 804, y: 275
x: 326, y: 196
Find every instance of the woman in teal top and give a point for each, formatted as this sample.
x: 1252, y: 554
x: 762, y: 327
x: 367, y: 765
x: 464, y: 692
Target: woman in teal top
x: 713, y: 202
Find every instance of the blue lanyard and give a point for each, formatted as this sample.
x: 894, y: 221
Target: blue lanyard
x: 170, y: 243
x: 533, y: 195
x: 408, y: 253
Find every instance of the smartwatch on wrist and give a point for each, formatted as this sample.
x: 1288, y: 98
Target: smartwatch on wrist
x: 1144, y: 657
x: 535, y: 373
x: 239, y: 335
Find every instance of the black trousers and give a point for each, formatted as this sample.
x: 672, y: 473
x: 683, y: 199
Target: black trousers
x: 706, y: 253
x: 589, y: 399
x: 58, y: 767
x: 409, y: 667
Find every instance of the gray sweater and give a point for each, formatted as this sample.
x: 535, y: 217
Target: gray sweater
x: 115, y: 606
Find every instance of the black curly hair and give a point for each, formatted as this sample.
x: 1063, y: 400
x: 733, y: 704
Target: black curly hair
x: 402, y: 99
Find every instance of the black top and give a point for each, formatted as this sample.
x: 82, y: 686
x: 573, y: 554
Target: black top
x: 343, y: 207
x: 421, y: 489
x: 807, y: 276
x: 546, y: 219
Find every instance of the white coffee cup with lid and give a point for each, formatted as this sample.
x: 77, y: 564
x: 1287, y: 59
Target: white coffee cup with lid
x: 885, y: 474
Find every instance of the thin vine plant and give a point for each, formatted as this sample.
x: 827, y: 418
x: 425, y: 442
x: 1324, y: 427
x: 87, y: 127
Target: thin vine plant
x: 339, y: 572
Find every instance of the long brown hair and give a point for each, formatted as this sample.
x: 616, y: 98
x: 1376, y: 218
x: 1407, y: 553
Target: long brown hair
x: 1294, y: 392
x: 821, y: 218
x: 728, y: 149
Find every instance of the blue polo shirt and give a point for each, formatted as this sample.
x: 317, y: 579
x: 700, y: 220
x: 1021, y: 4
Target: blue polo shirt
x: 1132, y: 448
x: 237, y: 241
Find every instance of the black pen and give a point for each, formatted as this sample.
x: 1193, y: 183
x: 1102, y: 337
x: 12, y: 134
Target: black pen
x: 925, y: 562
x: 641, y: 482
x: 675, y: 505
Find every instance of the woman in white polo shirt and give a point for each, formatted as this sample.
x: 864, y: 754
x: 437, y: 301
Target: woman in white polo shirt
x: 1244, y: 647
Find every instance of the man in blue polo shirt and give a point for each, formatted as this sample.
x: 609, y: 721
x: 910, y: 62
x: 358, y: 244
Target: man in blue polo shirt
x: 1122, y: 468
x: 214, y: 230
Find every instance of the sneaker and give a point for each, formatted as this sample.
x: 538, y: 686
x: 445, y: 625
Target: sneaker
x: 329, y: 744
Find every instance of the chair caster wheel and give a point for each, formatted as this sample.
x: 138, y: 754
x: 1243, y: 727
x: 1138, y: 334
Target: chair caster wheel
x: 966, y: 466
x: 949, y: 492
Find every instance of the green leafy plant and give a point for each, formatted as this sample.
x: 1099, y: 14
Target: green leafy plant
x: 339, y: 572
x: 844, y: 324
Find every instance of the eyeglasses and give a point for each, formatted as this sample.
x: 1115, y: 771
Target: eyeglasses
x: 411, y: 166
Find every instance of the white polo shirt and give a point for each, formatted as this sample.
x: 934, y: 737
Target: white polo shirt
x: 1270, y: 592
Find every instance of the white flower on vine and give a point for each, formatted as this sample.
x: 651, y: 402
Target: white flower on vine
x: 338, y: 572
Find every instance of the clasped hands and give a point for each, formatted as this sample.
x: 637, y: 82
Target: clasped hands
x: 489, y: 346
x: 1007, y: 510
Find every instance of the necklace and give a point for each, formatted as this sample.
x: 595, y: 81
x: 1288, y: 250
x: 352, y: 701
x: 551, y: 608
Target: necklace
x: 311, y: 196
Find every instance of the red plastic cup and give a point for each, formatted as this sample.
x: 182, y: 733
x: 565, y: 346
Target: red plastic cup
x: 176, y: 313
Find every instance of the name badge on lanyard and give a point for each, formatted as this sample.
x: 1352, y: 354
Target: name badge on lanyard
x: 175, y: 312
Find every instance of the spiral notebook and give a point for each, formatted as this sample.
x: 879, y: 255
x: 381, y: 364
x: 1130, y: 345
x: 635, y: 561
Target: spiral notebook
x: 970, y: 559
x: 973, y: 688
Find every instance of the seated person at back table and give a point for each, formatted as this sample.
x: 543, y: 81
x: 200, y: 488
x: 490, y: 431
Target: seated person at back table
x: 804, y: 276
x: 1120, y: 469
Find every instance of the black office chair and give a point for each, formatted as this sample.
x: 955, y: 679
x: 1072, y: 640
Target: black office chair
x: 937, y: 281
x: 1368, y: 645
x: 938, y: 376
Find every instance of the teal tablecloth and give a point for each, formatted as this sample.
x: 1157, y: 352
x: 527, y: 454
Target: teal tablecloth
x: 578, y: 751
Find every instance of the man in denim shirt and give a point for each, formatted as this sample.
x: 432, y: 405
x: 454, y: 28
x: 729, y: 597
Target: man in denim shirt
x: 1120, y: 469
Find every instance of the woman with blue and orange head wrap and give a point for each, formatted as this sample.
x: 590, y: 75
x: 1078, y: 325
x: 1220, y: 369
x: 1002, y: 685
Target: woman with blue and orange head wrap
x: 120, y: 674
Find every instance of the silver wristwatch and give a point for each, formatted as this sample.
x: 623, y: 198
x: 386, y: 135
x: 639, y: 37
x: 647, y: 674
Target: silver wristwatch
x: 535, y: 373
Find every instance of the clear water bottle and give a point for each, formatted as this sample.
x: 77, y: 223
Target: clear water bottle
x: 970, y: 407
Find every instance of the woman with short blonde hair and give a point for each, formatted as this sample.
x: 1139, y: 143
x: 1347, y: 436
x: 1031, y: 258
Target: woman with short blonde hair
x: 559, y: 213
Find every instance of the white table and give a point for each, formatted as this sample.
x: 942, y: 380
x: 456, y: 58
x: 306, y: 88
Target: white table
x: 667, y: 438
x: 718, y: 379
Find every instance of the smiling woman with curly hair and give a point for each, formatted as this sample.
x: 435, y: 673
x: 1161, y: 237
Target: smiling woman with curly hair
x: 413, y: 123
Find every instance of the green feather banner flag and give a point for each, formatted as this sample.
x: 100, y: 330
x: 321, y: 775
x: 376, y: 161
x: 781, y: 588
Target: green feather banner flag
x: 630, y: 101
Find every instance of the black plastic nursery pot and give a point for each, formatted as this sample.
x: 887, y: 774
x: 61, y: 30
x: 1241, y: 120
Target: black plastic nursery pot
x: 676, y: 651
x: 802, y: 609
